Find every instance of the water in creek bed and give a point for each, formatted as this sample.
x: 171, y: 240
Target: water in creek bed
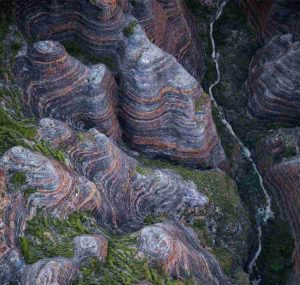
x: 263, y: 214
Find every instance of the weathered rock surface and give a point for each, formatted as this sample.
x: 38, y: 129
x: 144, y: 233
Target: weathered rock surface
x: 172, y: 27
x: 128, y: 195
x: 279, y: 160
x: 59, y: 86
x: 163, y: 109
x: 273, y: 17
x: 59, y: 191
x: 274, y: 81
x: 175, y: 248
x: 60, y: 270
x: 12, y: 221
x: 94, y: 25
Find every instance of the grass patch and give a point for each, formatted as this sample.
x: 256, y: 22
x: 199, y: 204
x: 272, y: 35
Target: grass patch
x: 18, y: 179
x: 122, y: 267
x: 50, y: 237
x: 14, y: 132
x: 76, y: 51
x: 128, y: 31
x: 45, y: 149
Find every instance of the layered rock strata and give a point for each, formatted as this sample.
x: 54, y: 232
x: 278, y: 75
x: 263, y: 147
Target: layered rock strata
x: 273, y: 17
x: 60, y: 270
x: 157, y: 104
x: 175, y: 248
x: 55, y: 84
x: 172, y: 27
x: 94, y: 25
x: 128, y: 195
x: 274, y: 81
x: 163, y: 109
x: 279, y: 160
x: 58, y: 190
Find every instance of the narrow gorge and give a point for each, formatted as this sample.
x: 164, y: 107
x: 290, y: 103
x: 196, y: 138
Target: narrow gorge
x: 149, y: 142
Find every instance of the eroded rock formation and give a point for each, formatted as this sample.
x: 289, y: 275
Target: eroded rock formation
x: 94, y: 25
x: 279, y: 160
x: 163, y: 109
x: 60, y: 270
x: 273, y: 17
x: 175, y: 248
x: 59, y: 191
x: 129, y: 195
x: 274, y: 81
x: 59, y: 86
x: 172, y: 27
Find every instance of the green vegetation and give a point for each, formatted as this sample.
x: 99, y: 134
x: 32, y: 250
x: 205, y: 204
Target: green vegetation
x: 275, y: 261
x: 45, y: 149
x: 13, y: 129
x: 122, y: 266
x: 76, y: 51
x: 18, y: 179
x: 222, y: 192
x: 129, y: 30
x: 50, y: 237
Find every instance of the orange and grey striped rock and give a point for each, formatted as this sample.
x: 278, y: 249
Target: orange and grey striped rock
x: 128, y: 196
x: 171, y: 26
x: 274, y: 81
x: 95, y: 25
x: 60, y: 270
x: 176, y: 249
x: 163, y: 110
x: 91, y: 246
x: 273, y: 17
x: 59, y: 191
x: 279, y: 160
x: 57, y: 270
x: 59, y: 86
x: 12, y: 223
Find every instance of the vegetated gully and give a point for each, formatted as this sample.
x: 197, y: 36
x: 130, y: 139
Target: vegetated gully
x: 263, y: 213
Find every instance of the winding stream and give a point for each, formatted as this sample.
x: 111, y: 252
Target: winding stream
x: 263, y: 214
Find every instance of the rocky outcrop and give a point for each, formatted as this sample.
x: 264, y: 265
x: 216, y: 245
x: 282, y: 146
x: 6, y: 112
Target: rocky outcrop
x: 128, y: 196
x: 273, y: 17
x: 176, y: 250
x: 57, y: 85
x: 58, y: 190
x: 94, y: 25
x: 273, y: 81
x: 12, y: 222
x: 163, y: 109
x: 60, y: 270
x: 171, y: 26
x: 158, y: 98
x: 279, y: 160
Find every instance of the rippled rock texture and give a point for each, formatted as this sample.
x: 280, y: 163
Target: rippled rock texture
x: 163, y: 110
x: 128, y: 196
x: 279, y: 160
x: 57, y: 190
x: 274, y: 81
x: 273, y: 17
x: 171, y: 26
x: 94, y: 25
x: 60, y: 270
x: 59, y: 86
x: 176, y: 250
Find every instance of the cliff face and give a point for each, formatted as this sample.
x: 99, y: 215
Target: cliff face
x: 273, y: 81
x: 55, y: 84
x: 155, y: 89
x: 273, y: 17
x: 77, y: 204
x: 279, y: 160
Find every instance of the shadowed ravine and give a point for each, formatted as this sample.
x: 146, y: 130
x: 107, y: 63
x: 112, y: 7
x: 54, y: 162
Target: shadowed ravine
x: 263, y: 213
